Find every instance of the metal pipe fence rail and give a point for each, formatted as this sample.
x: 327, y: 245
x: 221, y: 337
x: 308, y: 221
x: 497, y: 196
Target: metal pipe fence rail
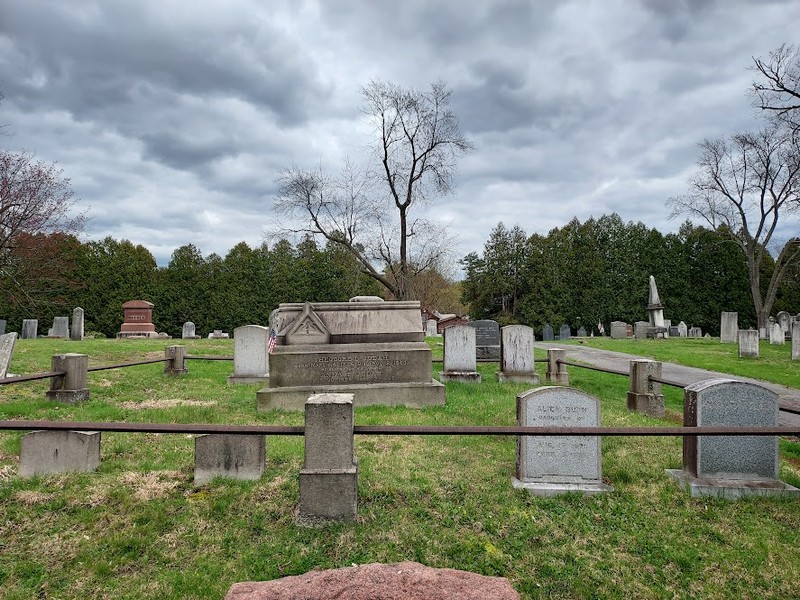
x: 593, y: 368
x: 299, y: 430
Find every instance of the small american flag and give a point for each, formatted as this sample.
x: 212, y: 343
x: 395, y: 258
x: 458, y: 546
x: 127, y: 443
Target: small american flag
x: 273, y: 339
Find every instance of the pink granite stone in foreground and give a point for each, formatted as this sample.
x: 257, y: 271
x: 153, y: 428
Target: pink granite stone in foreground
x: 376, y: 581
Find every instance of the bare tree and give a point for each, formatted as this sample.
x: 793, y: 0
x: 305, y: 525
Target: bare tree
x: 777, y: 91
x: 746, y: 188
x: 418, y: 142
x: 35, y: 198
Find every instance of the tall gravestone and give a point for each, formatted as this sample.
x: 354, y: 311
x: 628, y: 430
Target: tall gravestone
x: 784, y: 319
x: 30, y: 329
x: 76, y: 332
x: 60, y: 327
x: 695, y: 332
x: 795, y: 343
x: 431, y: 329
x: 776, y: 335
x: 729, y: 328
x: 460, y: 363
x: 550, y: 465
x: 748, y: 343
x: 564, y: 333
x: 516, y: 355
x: 7, y: 341
x: 250, y: 355
x: 655, y: 310
x: 487, y: 338
x: 619, y: 330
x: 683, y: 331
x: 3, y: 324
x: 547, y: 333
x: 730, y: 466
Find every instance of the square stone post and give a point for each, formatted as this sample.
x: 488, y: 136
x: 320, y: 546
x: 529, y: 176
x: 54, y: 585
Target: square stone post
x: 72, y: 386
x: 329, y: 479
x: 176, y: 365
x: 45, y: 452
x: 556, y: 371
x: 645, y: 395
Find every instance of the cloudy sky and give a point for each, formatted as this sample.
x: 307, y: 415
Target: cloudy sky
x: 173, y: 119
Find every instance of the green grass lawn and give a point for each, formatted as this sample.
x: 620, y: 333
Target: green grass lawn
x: 138, y: 528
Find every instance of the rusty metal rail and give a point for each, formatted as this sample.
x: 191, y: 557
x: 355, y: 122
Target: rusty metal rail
x: 666, y: 382
x: 31, y: 377
x: 209, y: 357
x: 199, y: 428
x: 149, y: 361
x: 593, y: 368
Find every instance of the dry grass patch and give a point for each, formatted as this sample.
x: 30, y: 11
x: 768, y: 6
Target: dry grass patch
x: 165, y: 403
x: 149, y: 486
x: 32, y: 498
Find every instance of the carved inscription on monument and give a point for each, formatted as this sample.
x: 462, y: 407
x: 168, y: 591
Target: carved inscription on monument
x: 564, y: 458
x: 354, y: 368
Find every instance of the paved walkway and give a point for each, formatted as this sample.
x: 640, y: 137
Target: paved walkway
x: 607, y: 359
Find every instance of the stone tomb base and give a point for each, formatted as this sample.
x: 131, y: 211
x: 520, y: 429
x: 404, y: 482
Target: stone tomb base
x: 730, y: 488
x: 554, y: 489
x: 409, y: 395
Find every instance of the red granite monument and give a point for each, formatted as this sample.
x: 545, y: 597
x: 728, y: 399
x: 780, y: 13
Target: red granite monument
x: 138, y: 319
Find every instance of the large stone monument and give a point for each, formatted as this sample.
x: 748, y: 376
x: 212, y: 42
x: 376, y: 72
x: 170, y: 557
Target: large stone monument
x: 550, y: 465
x: 655, y: 312
x: 374, y: 350
x: 137, y: 319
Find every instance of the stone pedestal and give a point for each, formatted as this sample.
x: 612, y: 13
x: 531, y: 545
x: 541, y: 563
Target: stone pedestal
x: 645, y: 396
x: 73, y: 385
x: 228, y: 455
x: 47, y: 452
x: 329, y: 478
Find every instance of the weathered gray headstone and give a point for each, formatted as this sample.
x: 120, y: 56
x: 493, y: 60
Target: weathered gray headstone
x: 3, y: 324
x: 61, y: 327
x: 730, y: 466
x: 695, y: 332
x: 46, y: 452
x: 619, y: 330
x: 547, y: 333
x: 581, y: 331
x: 640, y: 329
x: 76, y: 332
x: 667, y: 327
x: 228, y: 455
x: 30, y: 329
x: 431, y: 330
x: 460, y: 363
x: 748, y: 343
x: 487, y: 338
x: 564, y: 333
x: 729, y: 328
x: 776, y: 335
x: 683, y: 331
x: 795, y: 343
x: 516, y: 355
x: 674, y: 331
x: 784, y: 319
x: 329, y: 479
x: 7, y: 341
x: 188, y: 331
x: 549, y: 465
x: 250, y: 354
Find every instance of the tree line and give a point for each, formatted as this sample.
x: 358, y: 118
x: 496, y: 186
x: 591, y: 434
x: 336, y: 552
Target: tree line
x: 211, y: 291
x: 597, y: 271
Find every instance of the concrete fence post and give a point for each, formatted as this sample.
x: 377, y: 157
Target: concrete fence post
x: 329, y: 478
x: 557, y: 371
x: 176, y: 365
x: 645, y: 395
x: 73, y: 385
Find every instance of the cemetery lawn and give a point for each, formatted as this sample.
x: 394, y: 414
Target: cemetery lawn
x: 138, y: 528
